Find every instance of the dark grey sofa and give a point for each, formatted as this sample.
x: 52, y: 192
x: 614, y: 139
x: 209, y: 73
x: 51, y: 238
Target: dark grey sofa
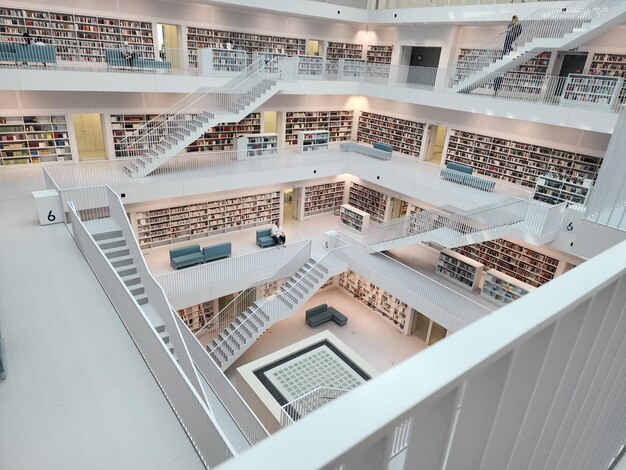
x: 322, y: 313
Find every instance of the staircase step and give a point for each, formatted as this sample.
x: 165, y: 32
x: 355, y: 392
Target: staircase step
x: 286, y: 301
x: 141, y: 299
x: 131, y: 279
x: 120, y: 261
x: 99, y: 236
x: 290, y: 297
x: 136, y: 289
x: 126, y: 270
x: 112, y: 243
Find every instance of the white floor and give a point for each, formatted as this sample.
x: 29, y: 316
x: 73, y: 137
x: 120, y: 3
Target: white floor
x: 77, y: 394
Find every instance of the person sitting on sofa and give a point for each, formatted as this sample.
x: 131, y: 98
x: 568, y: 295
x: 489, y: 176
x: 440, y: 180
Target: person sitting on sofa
x: 128, y: 53
x: 278, y: 233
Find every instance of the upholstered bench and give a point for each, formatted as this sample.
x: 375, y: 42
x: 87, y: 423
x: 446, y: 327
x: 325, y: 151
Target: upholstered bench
x: 322, y: 313
x: 378, y: 150
x: 264, y: 239
x: 114, y: 58
x: 382, y: 146
x: 186, y: 256
x: 211, y: 253
x: 38, y: 53
x: 462, y: 174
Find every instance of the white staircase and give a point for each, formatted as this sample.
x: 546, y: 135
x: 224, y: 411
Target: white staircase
x: 168, y: 134
x: 246, y: 328
x: 109, y: 237
x: 451, y: 227
x: 546, y: 29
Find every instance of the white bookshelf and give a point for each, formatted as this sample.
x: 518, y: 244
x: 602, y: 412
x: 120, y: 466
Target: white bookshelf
x: 322, y: 198
x: 277, y: 57
x: 270, y: 288
x: 517, y: 162
x: 610, y: 65
x: 373, y: 202
x: 313, y: 141
x: 175, y: 224
x: 592, y: 90
x: 502, y: 289
x: 379, y: 300
x: 354, y: 218
x: 252, y: 146
x: 513, y: 259
x: 221, y: 60
x: 33, y: 139
x: 351, y: 69
x: 122, y: 126
x: 196, y: 316
x: 554, y: 188
x: 459, y: 269
x: 379, y: 54
x: 311, y: 66
x: 403, y: 135
x: 343, y: 50
x: 337, y: 123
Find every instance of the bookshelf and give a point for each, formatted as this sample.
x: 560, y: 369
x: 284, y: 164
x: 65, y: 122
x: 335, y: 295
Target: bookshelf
x: 123, y: 125
x: 183, y: 223
x: 516, y: 162
x: 555, y: 189
x: 351, y: 69
x: 610, y: 65
x: 459, y: 269
x: 33, y: 139
x: 270, y: 288
x: 515, y: 260
x: 329, y: 283
x: 405, y: 136
x: 81, y: 38
x: 377, y: 299
x: 354, y: 218
x: 343, y: 50
x: 223, y: 136
x: 213, y: 60
x: 198, y: 38
x: 502, y: 289
x: 322, y: 198
x: 313, y: 141
x: 337, y: 123
x: 197, y: 316
x: 311, y: 66
x: 592, y: 90
x: 525, y: 78
x: 257, y: 146
x: 373, y: 202
x: 379, y: 54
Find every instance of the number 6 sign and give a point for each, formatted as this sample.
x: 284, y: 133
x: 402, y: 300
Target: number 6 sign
x: 49, y: 206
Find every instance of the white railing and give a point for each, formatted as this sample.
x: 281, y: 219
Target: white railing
x: 217, y: 272
x: 190, y: 409
x: 545, y: 23
x: 537, y: 384
x: 307, y: 403
x: 247, y: 297
x: 411, y: 286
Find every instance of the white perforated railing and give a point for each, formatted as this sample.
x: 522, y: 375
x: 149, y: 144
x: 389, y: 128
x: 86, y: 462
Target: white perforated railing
x: 307, y: 403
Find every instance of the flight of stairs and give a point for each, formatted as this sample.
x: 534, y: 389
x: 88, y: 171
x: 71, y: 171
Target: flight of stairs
x: 169, y: 135
x: 113, y: 244
x: 231, y: 343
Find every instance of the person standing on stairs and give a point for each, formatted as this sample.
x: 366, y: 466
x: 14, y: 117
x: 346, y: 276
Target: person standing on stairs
x: 278, y: 234
x: 513, y: 30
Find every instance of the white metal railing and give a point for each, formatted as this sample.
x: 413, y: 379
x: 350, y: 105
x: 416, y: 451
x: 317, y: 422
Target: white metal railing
x: 545, y: 23
x: 300, y: 254
x: 371, y: 264
x: 217, y: 272
x: 190, y: 409
x: 308, y: 403
x: 537, y: 384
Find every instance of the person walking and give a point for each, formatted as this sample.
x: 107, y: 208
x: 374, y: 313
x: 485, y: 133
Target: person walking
x: 278, y: 233
x: 513, y: 30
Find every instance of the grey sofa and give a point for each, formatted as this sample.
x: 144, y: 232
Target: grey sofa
x: 322, y: 313
x: 211, y: 253
x: 264, y: 239
x: 462, y: 174
x: 186, y: 256
x: 114, y: 58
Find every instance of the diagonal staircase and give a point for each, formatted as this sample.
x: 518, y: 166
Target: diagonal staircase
x: 546, y: 29
x: 246, y: 328
x: 168, y: 134
x: 451, y: 227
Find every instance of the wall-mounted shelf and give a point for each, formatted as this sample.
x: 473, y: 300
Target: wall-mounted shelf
x: 323, y: 198
x: 379, y: 54
x: 554, y: 188
x: 592, y: 90
x: 337, y: 123
x: 515, y: 260
x: 459, y: 269
x: 610, y: 65
x: 313, y: 141
x: 502, y: 289
x: 33, y: 139
x: 311, y: 66
x: 257, y: 146
x: 351, y: 69
x: 373, y: 202
x: 221, y: 60
x: 356, y: 219
x: 516, y: 162
x: 405, y: 136
x: 197, y: 316
x: 182, y: 223
x: 343, y: 50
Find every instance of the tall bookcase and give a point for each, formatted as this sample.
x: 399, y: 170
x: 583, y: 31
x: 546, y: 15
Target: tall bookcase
x: 182, y: 223
x: 379, y: 54
x: 516, y: 162
x: 405, y: 136
x: 554, y: 189
x: 502, y: 289
x: 377, y: 299
x: 257, y: 146
x: 337, y: 123
x: 375, y: 203
x: 219, y: 138
x: 212, y: 60
x: 80, y: 38
x: 459, y: 269
x: 343, y: 50
x: 610, y: 65
x: 197, y: 316
x: 515, y: 260
x: 354, y: 218
x: 33, y: 139
x: 318, y: 199
x: 202, y: 37
x: 592, y: 90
